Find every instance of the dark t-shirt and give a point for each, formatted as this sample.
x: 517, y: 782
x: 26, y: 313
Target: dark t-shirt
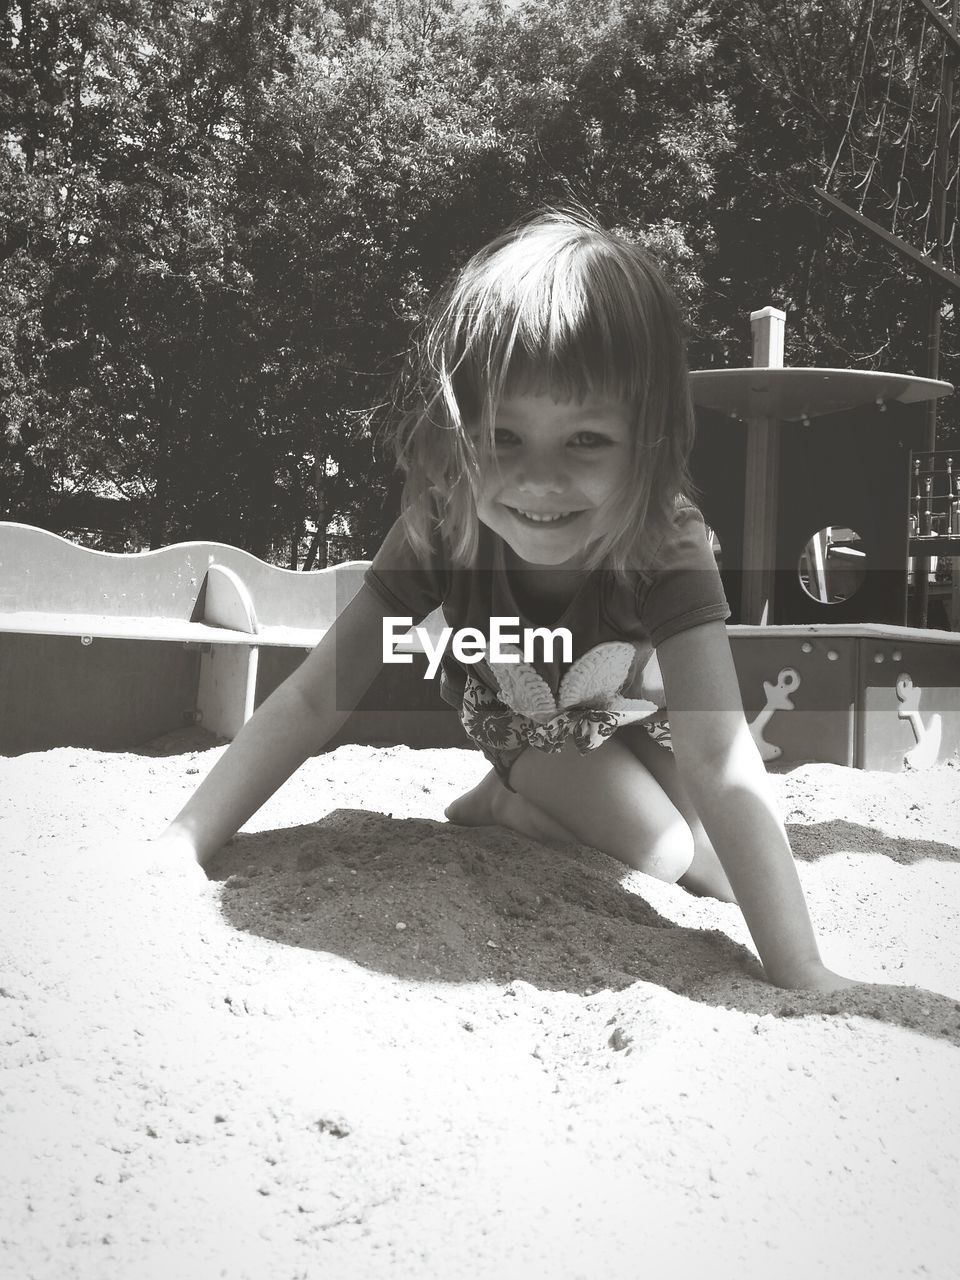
x: 681, y: 590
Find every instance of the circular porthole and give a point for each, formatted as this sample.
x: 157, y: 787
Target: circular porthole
x: 833, y: 565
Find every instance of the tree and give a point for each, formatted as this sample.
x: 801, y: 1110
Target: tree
x: 793, y: 68
x: 233, y: 217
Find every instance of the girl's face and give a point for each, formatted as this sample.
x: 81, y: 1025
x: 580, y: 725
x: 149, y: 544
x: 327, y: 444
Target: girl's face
x: 561, y: 470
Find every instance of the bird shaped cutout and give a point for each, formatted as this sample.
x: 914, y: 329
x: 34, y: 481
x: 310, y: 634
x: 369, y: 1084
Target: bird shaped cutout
x: 594, y: 682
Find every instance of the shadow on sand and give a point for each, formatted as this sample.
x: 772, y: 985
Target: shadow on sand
x: 815, y: 840
x: 418, y: 899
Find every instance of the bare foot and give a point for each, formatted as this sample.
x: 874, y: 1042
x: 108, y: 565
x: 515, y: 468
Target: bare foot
x: 489, y: 803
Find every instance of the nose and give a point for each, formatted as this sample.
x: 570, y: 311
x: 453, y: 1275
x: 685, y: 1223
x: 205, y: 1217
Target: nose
x: 540, y: 474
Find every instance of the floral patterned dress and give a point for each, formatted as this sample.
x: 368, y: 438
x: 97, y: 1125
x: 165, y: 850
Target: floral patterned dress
x: 589, y: 707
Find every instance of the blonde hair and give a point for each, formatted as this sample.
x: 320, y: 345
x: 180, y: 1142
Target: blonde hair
x: 561, y: 305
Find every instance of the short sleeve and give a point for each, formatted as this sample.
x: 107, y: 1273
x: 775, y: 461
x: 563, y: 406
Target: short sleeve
x: 684, y: 590
x: 408, y: 582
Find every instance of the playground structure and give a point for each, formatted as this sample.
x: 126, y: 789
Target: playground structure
x: 115, y: 650
x: 840, y: 544
x: 108, y: 650
x: 783, y: 455
x: 805, y: 478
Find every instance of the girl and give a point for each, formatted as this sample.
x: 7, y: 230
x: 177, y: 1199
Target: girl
x: 545, y: 456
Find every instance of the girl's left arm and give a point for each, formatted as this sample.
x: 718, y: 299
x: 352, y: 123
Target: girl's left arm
x: 726, y: 779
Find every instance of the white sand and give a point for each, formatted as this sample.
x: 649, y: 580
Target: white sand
x: 554, y: 1070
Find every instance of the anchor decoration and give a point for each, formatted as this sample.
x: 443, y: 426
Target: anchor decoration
x: 925, y: 753
x: 778, y: 699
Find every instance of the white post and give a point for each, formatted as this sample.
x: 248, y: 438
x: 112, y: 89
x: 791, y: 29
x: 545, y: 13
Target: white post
x: 768, y: 326
x: 763, y: 461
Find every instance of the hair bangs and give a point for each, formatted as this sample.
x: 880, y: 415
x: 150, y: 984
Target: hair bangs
x: 563, y: 316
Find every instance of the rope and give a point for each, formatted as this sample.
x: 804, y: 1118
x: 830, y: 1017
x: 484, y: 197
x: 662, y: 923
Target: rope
x: 908, y: 127
x: 932, y: 161
x: 856, y: 93
x: 898, y: 144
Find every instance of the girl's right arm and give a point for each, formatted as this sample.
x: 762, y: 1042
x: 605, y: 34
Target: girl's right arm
x: 295, y: 722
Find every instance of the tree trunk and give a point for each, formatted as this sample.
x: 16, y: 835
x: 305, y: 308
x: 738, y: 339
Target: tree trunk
x: 317, y: 555
x: 159, y: 506
x: 320, y: 480
x: 29, y: 139
x: 321, y: 532
x: 295, y: 545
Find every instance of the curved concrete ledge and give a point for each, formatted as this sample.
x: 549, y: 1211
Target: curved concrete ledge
x: 110, y: 650
x: 42, y: 572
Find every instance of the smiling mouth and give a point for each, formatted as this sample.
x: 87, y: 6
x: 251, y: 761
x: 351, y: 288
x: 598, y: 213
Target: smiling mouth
x: 552, y: 518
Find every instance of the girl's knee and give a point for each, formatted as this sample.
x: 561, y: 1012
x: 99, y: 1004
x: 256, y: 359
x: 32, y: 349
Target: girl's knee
x: 668, y: 856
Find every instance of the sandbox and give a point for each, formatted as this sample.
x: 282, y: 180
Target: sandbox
x: 376, y: 1045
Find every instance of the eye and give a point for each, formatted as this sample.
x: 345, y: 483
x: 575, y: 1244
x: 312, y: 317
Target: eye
x: 502, y: 436
x: 590, y: 440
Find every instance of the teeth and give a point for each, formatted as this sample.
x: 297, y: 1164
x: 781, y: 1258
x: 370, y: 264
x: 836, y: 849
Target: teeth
x: 529, y: 515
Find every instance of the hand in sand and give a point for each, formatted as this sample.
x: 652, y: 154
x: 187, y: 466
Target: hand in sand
x: 167, y: 856
x: 817, y: 978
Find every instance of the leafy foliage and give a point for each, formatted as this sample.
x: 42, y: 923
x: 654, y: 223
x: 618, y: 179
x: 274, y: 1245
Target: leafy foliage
x: 220, y: 224
x: 797, y: 74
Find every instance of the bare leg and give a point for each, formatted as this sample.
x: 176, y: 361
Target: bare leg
x: 705, y: 875
x: 624, y: 798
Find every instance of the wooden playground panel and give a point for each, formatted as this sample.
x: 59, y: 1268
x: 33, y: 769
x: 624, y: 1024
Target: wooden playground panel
x: 109, y: 651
